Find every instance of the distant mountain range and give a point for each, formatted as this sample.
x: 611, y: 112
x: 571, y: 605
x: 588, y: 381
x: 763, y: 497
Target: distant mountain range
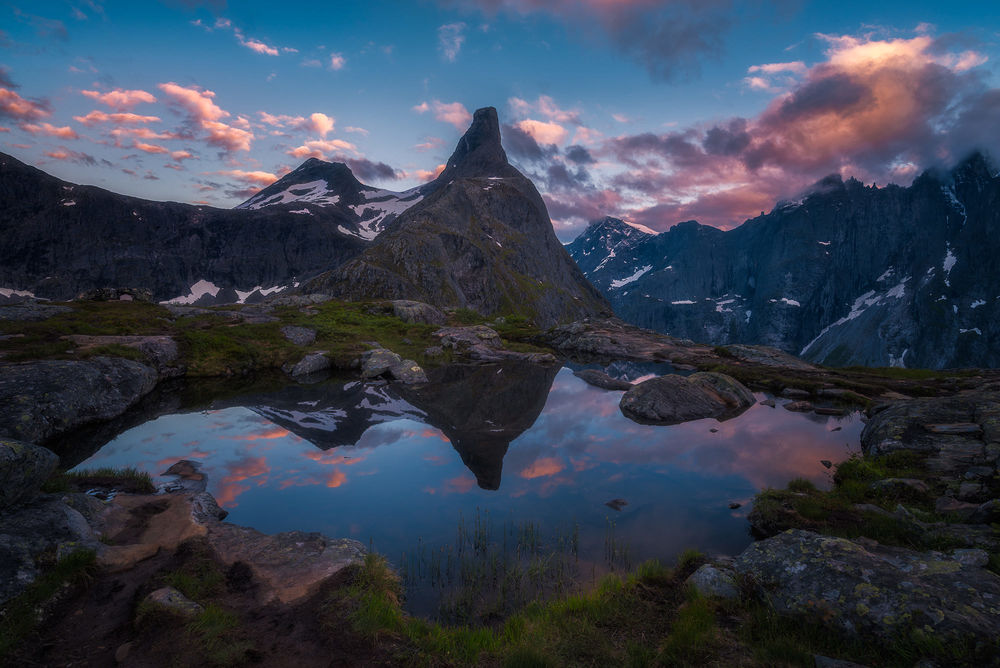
x: 848, y: 275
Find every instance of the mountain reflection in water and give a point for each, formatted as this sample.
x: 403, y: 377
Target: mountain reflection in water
x: 378, y: 462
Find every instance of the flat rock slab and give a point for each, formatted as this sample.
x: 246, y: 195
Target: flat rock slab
x: 875, y: 591
x: 31, y: 311
x: 289, y: 565
x: 40, y: 400
x: 161, y: 351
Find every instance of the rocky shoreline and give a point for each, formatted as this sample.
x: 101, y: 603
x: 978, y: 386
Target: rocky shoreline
x: 907, y: 550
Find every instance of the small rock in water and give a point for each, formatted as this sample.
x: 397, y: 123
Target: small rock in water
x: 734, y: 505
x: 616, y: 504
x: 836, y: 429
x: 714, y: 430
x: 799, y: 406
x: 826, y: 462
x: 767, y: 402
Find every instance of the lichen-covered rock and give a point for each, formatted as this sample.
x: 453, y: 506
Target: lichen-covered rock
x: 673, y: 399
x: 714, y: 580
x: 417, y: 312
x: 482, y: 344
x: 43, y: 399
x: 378, y: 361
x: 408, y: 371
x: 310, y: 364
x: 300, y: 336
x: 877, y: 591
x: 161, y: 351
x: 23, y: 469
x: 602, y: 380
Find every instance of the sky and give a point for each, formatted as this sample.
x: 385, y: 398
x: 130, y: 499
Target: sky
x: 653, y: 111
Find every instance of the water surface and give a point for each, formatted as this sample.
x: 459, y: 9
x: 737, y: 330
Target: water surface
x: 400, y: 468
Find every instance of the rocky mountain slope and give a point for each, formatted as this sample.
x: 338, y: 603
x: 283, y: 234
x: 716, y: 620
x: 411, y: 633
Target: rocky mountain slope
x: 61, y: 239
x: 482, y: 239
x: 850, y: 274
x: 317, y: 185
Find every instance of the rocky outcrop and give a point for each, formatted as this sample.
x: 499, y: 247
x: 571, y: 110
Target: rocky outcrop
x: 39, y: 400
x: 673, y: 399
x: 31, y: 311
x: 166, y: 248
x: 417, y: 312
x: 482, y: 344
x: 381, y: 362
x: 877, y: 591
x: 481, y: 240
x: 959, y: 435
x: 613, y: 339
x: 160, y: 351
x: 23, y: 469
x: 848, y: 275
x: 286, y: 567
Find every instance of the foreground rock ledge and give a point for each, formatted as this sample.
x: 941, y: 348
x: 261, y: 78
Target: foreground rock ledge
x: 876, y: 590
x: 673, y: 399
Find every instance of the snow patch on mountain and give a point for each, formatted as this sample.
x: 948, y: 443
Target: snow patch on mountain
x: 617, y: 283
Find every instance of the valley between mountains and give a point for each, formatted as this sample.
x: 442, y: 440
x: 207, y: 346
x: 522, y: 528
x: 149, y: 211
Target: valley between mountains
x: 774, y: 445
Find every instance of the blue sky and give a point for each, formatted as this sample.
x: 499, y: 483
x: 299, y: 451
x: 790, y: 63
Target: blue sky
x: 653, y: 111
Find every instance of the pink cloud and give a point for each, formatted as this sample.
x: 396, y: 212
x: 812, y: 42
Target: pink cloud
x: 546, y: 107
x: 149, y: 148
x: 318, y: 123
x: 542, y: 467
x: 337, y: 61
x: 205, y: 114
x: 256, y: 45
x: 120, y: 99
x: 429, y: 175
x: 64, y: 132
x: 448, y: 112
x: 322, y: 149
x: 95, y: 117
x: 181, y: 155
x: 14, y: 106
x: 261, y: 179
x: 542, y: 132
x: 430, y: 144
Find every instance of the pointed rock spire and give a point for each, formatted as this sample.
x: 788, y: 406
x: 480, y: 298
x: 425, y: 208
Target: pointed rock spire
x: 479, y: 153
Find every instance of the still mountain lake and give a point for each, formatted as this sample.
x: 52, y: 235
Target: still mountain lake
x: 489, y: 461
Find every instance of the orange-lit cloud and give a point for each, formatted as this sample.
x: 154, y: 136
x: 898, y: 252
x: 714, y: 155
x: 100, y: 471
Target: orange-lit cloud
x: 95, y: 117
x: 268, y: 434
x: 543, y: 132
x: 542, y: 467
x: 261, y: 179
x: 447, y: 112
x: 336, y: 479
x: 149, y: 148
x: 13, y: 105
x: 64, y: 132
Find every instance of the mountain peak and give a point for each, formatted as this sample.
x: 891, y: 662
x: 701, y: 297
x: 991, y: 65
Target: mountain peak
x: 479, y: 152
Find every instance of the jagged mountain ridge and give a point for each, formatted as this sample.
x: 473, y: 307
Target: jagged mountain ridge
x: 851, y: 274
x: 61, y: 239
x: 316, y: 184
x: 482, y: 239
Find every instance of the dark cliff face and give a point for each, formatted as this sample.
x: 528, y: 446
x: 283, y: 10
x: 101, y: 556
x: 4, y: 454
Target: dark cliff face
x: 481, y: 239
x: 851, y: 274
x: 60, y: 239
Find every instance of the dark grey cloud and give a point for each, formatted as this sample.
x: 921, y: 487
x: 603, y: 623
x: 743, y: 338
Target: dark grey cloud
x: 366, y: 170
x: 579, y: 155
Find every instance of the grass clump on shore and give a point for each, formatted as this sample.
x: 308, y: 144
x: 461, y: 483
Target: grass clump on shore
x: 124, y: 479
